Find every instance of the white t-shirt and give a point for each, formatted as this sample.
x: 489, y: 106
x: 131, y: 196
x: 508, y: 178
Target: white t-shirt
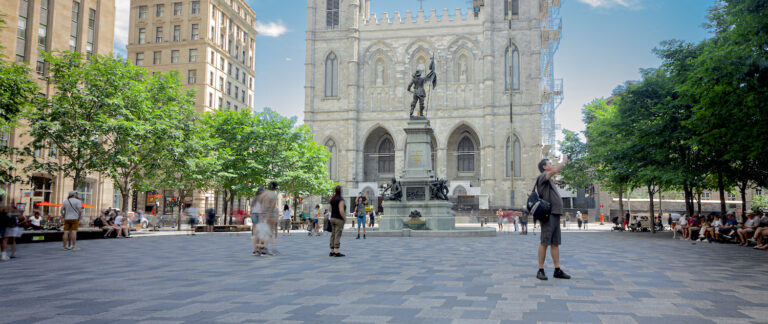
x: 287, y: 214
x: 35, y: 221
x: 72, y: 208
x: 119, y: 220
x: 316, y: 215
x: 716, y: 223
x: 683, y: 221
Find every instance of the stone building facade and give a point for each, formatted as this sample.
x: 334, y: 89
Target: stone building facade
x: 85, y: 26
x: 492, y: 110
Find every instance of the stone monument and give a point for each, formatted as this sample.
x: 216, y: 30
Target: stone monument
x: 418, y: 192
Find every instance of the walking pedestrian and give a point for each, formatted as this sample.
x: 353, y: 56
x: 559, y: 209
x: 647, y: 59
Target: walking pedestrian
x: 500, y: 216
x: 338, y: 218
x: 585, y: 219
x: 286, y: 221
x: 372, y: 218
x: 550, y: 230
x: 13, y: 230
x: 578, y: 218
x: 210, y: 219
x: 72, y: 211
x: 256, y: 218
x: 191, y: 213
x: 515, y: 220
x: 270, y: 212
x: 314, y: 227
x: 524, y: 222
x: 360, y: 216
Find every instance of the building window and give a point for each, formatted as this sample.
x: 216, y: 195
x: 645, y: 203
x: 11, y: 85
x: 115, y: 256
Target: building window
x: 330, y: 145
x: 221, y: 102
x: 386, y: 153
x: 159, y: 10
x: 211, y: 79
x: 229, y: 88
x: 139, y: 59
x: 210, y: 99
x: 706, y: 195
x: 508, y: 158
x: 213, y: 58
x: 116, y: 198
x: 221, y: 63
x: 758, y: 191
x: 91, y: 32
x: 512, y: 68
x: 229, y: 68
x: 177, y: 8
x: 175, y: 56
x: 331, y: 76
x: 195, y: 7
x: 731, y: 196
x: 221, y: 83
x: 142, y: 11
x: 75, y: 26
x: 4, y: 138
x: 511, y: 9
x: 142, y: 36
x: 193, y: 55
x: 42, y: 31
x: 517, y: 152
x: 192, y: 76
x: 242, y: 95
x: 236, y: 91
x: 53, y: 150
x: 195, y: 35
x: 332, y: 14
x: 466, y: 155
x: 85, y: 193
x: 157, y: 57
x: 176, y: 33
x: 158, y: 34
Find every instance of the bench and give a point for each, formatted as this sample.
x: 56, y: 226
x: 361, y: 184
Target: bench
x: 224, y: 228
x: 35, y: 236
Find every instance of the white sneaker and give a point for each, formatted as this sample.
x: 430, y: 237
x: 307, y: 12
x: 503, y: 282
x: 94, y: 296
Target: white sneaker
x: 4, y: 257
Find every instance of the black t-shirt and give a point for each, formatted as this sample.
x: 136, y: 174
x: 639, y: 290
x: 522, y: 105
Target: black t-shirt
x: 548, y: 191
x: 335, y: 212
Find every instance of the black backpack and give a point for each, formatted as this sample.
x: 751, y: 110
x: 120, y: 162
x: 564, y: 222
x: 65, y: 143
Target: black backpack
x: 537, y: 206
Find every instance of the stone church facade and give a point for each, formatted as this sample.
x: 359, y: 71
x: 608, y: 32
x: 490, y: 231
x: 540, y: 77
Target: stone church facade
x: 492, y: 110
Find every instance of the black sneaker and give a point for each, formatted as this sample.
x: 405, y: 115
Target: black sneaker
x: 541, y: 275
x: 331, y: 254
x: 363, y: 236
x: 358, y: 236
x: 338, y: 255
x: 560, y: 274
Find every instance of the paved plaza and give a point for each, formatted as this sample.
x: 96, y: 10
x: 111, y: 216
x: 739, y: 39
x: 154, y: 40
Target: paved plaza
x: 618, y: 278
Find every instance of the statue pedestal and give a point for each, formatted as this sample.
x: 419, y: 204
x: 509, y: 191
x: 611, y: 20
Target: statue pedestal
x: 415, y: 182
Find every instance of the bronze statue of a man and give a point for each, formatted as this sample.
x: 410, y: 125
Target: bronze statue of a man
x: 417, y: 83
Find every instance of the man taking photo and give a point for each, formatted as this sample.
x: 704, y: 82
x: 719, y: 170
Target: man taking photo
x: 550, y: 231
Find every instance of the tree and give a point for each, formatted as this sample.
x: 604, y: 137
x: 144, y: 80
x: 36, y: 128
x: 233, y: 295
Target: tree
x: 77, y: 117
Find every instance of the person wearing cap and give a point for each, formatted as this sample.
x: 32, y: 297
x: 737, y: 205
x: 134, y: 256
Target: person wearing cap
x: 748, y: 229
x: 71, y: 210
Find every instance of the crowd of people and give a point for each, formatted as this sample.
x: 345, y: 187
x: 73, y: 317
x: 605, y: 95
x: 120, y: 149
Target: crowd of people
x: 712, y: 228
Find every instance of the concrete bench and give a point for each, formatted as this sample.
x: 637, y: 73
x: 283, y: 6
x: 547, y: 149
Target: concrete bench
x: 34, y: 236
x: 224, y: 228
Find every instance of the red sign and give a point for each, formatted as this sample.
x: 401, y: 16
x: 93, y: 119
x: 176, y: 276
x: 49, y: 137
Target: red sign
x: 601, y: 206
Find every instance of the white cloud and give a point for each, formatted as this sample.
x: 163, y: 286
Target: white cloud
x: 288, y: 59
x: 612, y: 3
x: 272, y: 29
x: 122, y: 10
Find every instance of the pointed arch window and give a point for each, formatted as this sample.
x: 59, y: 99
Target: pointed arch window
x: 511, y: 9
x: 514, y: 151
x: 508, y: 158
x: 386, y: 154
x: 512, y: 68
x: 330, y: 145
x: 331, y: 76
x: 332, y: 14
x: 466, y: 155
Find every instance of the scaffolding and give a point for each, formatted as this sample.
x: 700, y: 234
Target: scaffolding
x: 552, y: 95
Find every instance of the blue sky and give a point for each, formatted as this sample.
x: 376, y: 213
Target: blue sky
x: 604, y: 43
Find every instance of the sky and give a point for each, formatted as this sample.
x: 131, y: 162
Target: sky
x: 604, y: 43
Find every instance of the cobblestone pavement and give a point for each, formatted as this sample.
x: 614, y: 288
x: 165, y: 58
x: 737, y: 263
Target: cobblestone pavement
x: 618, y: 278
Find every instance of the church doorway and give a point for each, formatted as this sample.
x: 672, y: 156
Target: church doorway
x: 379, y: 156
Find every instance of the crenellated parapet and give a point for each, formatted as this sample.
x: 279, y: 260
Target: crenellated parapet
x: 421, y: 19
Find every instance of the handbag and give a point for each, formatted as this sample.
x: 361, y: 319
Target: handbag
x: 327, y: 225
x: 538, y: 207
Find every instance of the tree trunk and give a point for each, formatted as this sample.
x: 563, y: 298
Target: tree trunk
x: 743, y: 189
x: 232, y: 206
x: 621, y: 202
x: 650, y: 207
x: 698, y: 202
x: 688, y: 193
x: 721, y: 188
x: 182, y: 194
x: 225, y: 207
x: 661, y: 212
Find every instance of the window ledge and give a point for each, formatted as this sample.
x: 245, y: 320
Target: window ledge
x: 331, y: 98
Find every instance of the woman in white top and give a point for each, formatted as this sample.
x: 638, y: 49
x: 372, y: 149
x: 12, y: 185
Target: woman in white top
x: 286, y: 220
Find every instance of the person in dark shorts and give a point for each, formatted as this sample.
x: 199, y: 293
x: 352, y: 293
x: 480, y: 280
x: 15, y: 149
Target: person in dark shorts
x: 210, y: 218
x: 550, y: 231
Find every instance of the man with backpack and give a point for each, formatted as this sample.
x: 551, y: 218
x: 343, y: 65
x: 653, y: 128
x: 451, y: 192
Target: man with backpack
x: 550, y: 224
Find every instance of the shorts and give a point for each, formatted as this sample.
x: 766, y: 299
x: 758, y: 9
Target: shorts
x: 14, y: 231
x: 192, y: 221
x: 286, y: 223
x: 500, y: 221
x: 209, y: 221
x: 71, y: 224
x: 550, y: 231
x: 361, y: 221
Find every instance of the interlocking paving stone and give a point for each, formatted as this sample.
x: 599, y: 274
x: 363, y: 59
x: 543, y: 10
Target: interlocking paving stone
x: 617, y: 278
